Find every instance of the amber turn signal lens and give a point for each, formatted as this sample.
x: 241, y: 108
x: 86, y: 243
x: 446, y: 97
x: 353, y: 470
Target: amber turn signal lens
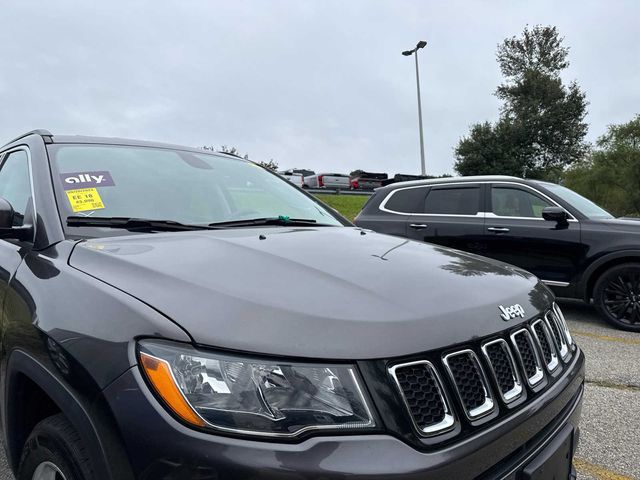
x: 159, y: 374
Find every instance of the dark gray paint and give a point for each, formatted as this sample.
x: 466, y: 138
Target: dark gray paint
x: 326, y: 292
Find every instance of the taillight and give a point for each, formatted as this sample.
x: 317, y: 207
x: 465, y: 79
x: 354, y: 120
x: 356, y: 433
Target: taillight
x: 320, y: 182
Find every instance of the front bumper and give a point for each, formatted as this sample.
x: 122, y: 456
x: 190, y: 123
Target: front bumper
x: 159, y: 447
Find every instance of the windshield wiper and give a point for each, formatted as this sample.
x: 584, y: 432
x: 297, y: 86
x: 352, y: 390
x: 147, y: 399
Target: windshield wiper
x: 281, y: 220
x: 145, y: 224
x: 131, y: 223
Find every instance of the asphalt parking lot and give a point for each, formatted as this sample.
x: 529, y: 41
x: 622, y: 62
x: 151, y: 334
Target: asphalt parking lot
x: 610, y: 441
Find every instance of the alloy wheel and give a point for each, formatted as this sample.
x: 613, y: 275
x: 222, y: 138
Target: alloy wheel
x: 621, y: 297
x: 48, y: 471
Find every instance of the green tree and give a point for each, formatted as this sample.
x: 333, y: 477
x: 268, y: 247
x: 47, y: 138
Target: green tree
x: 541, y: 128
x: 489, y: 149
x: 611, y: 174
x: 269, y: 165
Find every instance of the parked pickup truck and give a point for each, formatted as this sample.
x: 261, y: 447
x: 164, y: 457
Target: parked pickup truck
x: 296, y: 178
x: 328, y: 180
x: 305, y: 172
x: 403, y: 177
x: 367, y: 180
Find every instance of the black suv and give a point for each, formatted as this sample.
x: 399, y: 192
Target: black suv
x: 571, y: 244
x: 169, y: 313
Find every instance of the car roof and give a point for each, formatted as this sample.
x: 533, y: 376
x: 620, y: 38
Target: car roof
x: 469, y: 179
x: 46, y: 134
x: 93, y: 140
x: 81, y: 139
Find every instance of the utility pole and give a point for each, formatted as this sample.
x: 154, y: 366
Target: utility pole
x: 407, y: 53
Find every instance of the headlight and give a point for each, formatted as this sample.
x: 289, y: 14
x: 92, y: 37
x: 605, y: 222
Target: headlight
x: 259, y: 397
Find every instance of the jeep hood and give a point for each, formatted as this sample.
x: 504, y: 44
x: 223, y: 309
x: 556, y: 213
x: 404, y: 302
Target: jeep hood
x: 322, y: 292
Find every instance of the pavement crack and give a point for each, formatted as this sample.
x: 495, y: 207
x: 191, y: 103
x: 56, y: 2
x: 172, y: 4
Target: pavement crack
x: 618, y: 386
x: 607, y: 338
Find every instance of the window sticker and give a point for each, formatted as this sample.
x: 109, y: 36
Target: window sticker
x: 83, y: 199
x: 76, y: 180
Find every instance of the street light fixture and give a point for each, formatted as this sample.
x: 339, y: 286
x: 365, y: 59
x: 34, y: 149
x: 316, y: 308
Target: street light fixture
x: 408, y: 53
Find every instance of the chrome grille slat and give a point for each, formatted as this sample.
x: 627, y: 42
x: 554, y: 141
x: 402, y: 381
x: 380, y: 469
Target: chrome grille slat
x: 558, y: 336
x: 423, y: 394
x: 528, y: 356
x: 504, y: 369
x: 545, y: 343
x: 565, y: 329
x: 470, y: 382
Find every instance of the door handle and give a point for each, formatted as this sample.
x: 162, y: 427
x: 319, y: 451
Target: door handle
x: 498, y: 229
x: 418, y: 226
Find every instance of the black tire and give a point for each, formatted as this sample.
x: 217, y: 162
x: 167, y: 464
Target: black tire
x: 55, y: 445
x: 617, y: 296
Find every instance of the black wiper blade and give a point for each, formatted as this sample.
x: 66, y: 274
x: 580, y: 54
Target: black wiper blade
x: 281, y: 220
x: 131, y: 223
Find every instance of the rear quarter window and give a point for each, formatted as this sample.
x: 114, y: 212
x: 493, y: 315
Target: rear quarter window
x: 453, y: 201
x: 406, y: 200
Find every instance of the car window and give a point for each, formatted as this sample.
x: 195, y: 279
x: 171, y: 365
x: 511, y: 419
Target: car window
x: 15, y: 184
x: 165, y: 184
x: 408, y: 200
x: 453, y: 201
x: 515, y: 202
x: 577, y: 201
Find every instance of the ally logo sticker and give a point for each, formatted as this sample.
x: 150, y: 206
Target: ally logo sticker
x: 77, y: 180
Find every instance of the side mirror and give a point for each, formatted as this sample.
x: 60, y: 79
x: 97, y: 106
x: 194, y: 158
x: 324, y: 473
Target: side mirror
x: 7, y: 229
x: 555, y: 214
x: 6, y: 214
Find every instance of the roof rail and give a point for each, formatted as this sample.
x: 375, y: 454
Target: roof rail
x: 42, y: 132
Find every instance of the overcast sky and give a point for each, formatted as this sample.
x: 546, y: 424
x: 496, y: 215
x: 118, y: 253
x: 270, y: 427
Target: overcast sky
x: 319, y: 84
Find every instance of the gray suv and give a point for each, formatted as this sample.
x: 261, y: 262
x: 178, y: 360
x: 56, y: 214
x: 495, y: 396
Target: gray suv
x: 169, y: 313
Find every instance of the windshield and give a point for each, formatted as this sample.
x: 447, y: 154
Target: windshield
x: 585, y: 206
x: 181, y: 186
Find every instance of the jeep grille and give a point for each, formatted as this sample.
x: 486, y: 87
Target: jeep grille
x: 504, y: 369
x: 543, y: 337
x: 423, y: 394
x: 470, y: 382
x: 512, y: 359
x: 558, y: 336
x: 529, y: 358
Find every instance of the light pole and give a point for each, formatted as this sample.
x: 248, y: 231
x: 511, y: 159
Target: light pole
x: 408, y: 53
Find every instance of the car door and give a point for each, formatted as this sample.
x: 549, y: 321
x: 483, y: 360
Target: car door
x: 450, y: 215
x: 15, y: 187
x: 516, y: 233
